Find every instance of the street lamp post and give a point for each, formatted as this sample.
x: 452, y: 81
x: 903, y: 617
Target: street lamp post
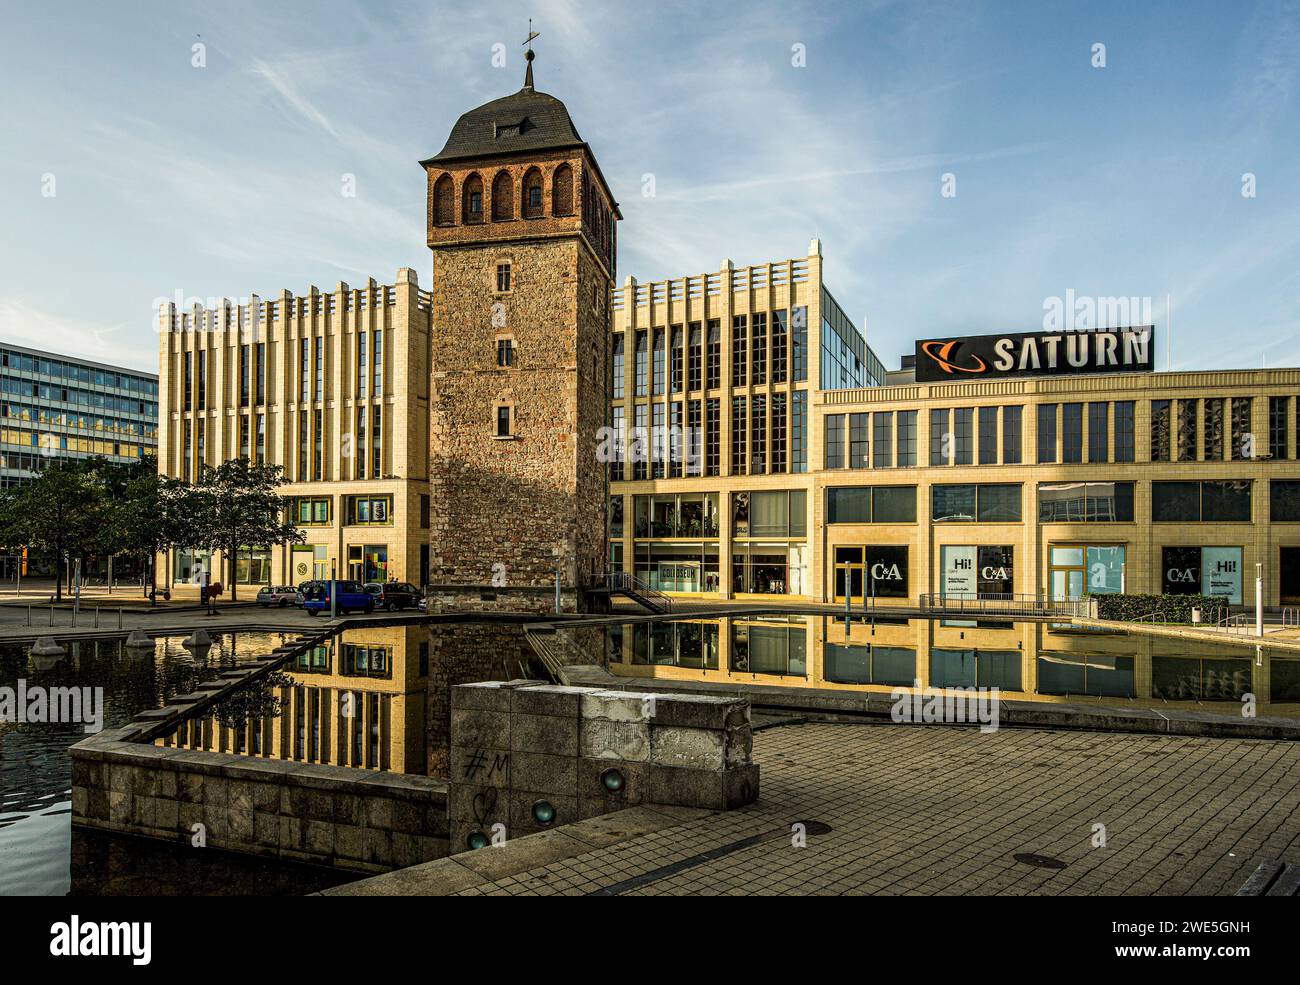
x: 1259, y: 600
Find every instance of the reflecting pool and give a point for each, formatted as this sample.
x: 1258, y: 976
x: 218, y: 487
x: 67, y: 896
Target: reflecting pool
x: 1028, y: 660
x: 35, y: 768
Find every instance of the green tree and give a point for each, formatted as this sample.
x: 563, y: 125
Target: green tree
x: 235, y: 506
x: 147, y: 515
x: 60, y: 513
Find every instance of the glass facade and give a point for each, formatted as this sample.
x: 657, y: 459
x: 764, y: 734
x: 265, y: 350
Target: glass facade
x: 55, y: 407
x: 847, y: 361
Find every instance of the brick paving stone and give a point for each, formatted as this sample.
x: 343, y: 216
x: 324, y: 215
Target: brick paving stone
x: 940, y: 810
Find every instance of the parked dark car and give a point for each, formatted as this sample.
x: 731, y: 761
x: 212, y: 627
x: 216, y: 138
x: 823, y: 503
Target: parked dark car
x: 395, y: 595
x: 282, y: 595
x: 352, y: 597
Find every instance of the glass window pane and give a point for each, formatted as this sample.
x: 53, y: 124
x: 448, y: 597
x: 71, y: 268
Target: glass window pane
x: 999, y: 503
x: 894, y: 504
x: 952, y: 668
x: 1175, y: 502
x: 952, y: 503
x: 1227, y: 501
x: 848, y: 504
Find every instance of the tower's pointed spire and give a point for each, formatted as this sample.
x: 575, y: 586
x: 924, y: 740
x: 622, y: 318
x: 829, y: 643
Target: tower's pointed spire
x: 529, y: 56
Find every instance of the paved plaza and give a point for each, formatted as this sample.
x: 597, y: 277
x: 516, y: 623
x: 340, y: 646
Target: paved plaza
x: 945, y: 810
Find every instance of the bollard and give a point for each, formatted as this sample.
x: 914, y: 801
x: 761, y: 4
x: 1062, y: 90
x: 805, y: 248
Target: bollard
x: 51, y: 613
x: 96, y: 626
x: 29, y: 614
x: 119, y: 617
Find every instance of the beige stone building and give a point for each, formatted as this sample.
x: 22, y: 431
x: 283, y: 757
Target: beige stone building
x: 333, y: 387
x: 829, y: 476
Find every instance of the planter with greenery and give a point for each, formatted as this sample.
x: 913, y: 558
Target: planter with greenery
x: 1166, y: 608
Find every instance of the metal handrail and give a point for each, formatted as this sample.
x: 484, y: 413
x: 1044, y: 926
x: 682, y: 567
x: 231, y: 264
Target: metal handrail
x: 1004, y: 603
x: 627, y: 581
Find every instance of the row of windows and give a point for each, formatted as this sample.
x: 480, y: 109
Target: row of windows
x: 692, y: 366
x: 781, y: 513
x: 53, y: 393
x: 674, y: 448
x: 755, y: 451
x: 62, y: 418
x: 68, y: 372
x: 1111, y: 432
x: 197, y: 373
x: 1069, y: 433
x: 846, y: 359
x: 51, y: 445
x: 892, y: 435
x: 531, y: 203
x: 1184, y: 429
x: 1206, y: 501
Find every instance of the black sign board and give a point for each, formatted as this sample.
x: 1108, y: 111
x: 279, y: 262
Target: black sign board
x: 1181, y: 573
x: 983, y: 357
x: 887, y: 572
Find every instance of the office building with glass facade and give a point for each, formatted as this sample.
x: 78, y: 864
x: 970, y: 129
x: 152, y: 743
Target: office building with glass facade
x: 54, y: 406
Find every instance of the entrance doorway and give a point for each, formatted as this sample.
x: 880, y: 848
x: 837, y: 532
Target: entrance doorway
x: 850, y: 573
x: 1290, y: 576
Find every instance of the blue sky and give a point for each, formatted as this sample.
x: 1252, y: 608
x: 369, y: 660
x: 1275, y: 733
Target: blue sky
x: 226, y: 180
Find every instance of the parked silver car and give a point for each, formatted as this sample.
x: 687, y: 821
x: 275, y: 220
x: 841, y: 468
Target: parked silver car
x: 282, y: 595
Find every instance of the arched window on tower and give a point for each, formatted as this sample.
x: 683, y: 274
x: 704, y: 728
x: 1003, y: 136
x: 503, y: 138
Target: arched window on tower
x: 503, y: 194
x: 444, y: 201
x: 472, y: 199
x: 562, y: 191
x: 531, y: 204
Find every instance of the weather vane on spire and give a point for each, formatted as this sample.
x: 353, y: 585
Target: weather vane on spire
x: 528, y: 55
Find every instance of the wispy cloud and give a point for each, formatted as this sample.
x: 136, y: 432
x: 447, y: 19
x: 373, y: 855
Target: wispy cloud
x: 293, y: 96
x: 25, y: 324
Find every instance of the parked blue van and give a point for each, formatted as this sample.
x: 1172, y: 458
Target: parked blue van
x: 352, y: 597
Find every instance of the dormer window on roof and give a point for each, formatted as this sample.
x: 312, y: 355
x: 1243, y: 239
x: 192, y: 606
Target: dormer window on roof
x: 516, y: 129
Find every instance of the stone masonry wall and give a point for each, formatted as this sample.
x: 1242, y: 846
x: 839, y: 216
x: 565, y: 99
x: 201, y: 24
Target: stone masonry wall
x: 518, y: 745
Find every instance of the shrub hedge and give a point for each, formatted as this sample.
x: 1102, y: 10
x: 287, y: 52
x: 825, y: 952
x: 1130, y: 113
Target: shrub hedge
x: 1168, y: 608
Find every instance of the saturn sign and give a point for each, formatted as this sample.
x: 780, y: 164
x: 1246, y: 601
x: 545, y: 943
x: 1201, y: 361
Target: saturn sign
x: 1120, y: 350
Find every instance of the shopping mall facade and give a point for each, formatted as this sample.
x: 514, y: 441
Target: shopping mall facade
x: 767, y: 452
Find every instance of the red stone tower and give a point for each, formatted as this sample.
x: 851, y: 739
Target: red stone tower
x: 522, y: 228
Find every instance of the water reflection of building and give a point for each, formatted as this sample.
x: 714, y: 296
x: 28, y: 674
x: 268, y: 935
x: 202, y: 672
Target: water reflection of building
x: 1025, y: 660
x: 358, y: 700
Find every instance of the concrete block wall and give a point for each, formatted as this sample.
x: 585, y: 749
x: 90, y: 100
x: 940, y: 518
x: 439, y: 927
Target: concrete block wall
x: 517, y: 744
x: 331, y: 815
x: 130, y: 780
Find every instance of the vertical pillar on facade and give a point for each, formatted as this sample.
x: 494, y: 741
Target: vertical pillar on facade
x: 1034, y: 564
x: 398, y: 379
x: 289, y: 389
x: 725, y: 311
x: 819, y: 572
x: 223, y: 381
x: 629, y: 417
x: 726, y: 308
x: 338, y: 349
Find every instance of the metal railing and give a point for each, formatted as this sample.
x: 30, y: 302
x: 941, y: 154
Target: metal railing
x: 1242, y: 623
x: 1006, y: 604
x: 630, y: 584
x: 1290, y: 616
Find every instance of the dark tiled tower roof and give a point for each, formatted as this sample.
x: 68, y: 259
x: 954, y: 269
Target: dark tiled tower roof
x: 526, y: 121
